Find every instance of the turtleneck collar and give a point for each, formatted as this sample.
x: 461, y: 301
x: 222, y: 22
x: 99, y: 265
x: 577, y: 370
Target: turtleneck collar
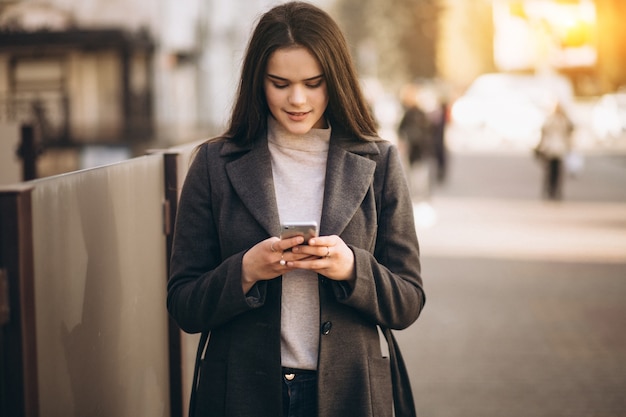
x: 314, y: 140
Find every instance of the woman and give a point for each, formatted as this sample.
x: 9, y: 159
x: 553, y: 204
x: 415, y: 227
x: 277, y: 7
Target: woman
x: 554, y: 146
x: 415, y: 132
x: 293, y: 326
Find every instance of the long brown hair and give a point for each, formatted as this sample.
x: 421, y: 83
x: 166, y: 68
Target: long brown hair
x: 299, y: 24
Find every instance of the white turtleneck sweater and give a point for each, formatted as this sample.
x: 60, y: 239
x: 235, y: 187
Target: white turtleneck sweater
x: 299, y: 171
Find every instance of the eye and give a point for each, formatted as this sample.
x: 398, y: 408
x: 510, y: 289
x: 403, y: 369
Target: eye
x: 315, y: 84
x: 280, y: 86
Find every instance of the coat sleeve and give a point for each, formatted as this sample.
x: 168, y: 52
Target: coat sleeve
x: 204, y: 290
x: 388, y: 286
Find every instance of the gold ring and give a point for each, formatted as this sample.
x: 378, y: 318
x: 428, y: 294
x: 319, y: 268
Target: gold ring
x: 327, y: 252
x: 272, y: 247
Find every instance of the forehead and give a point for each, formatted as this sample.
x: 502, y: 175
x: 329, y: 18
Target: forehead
x: 296, y: 63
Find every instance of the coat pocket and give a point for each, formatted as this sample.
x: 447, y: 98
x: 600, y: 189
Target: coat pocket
x: 380, y: 387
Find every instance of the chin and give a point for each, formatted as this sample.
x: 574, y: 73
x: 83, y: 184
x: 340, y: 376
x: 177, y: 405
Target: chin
x: 300, y: 130
x: 297, y: 128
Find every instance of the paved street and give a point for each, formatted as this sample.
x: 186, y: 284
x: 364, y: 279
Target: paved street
x: 526, y: 299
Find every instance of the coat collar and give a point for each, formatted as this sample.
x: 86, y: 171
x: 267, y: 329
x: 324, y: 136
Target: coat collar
x: 349, y: 174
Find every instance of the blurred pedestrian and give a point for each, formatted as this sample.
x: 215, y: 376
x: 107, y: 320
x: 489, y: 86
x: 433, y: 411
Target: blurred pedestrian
x: 415, y: 136
x: 440, y: 149
x: 290, y: 328
x: 554, y: 146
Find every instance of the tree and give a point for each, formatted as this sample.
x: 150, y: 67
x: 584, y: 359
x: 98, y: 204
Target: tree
x: 394, y: 40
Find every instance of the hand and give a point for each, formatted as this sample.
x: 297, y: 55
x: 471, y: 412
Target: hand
x: 326, y: 255
x: 269, y: 259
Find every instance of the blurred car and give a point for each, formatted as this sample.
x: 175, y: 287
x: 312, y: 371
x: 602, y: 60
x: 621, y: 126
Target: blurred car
x: 609, y: 116
x: 510, y: 107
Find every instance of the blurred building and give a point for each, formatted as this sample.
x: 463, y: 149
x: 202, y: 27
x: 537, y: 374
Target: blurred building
x: 156, y: 74
x: 583, y: 39
x: 121, y: 73
x: 78, y: 86
x: 77, y: 83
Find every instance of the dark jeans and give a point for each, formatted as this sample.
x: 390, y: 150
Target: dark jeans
x: 554, y: 178
x: 300, y: 396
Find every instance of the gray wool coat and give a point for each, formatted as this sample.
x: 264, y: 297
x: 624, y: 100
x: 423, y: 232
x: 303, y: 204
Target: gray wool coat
x: 227, y: 205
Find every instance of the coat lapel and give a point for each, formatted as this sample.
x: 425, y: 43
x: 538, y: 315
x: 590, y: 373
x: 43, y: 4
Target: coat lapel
x: 251, y: 178
x: 348, y: 177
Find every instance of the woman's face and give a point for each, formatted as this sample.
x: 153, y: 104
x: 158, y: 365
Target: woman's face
x: 295, y: 89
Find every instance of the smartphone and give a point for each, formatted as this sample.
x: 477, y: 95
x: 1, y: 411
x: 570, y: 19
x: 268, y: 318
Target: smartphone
x: 306, y: 229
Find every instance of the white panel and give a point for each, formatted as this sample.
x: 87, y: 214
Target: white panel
x: 100, y: 274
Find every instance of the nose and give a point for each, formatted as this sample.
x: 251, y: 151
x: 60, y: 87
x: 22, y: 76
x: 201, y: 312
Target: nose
x: 298, y: 95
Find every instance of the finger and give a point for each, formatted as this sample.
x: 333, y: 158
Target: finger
x: 301, y: 256
x: 324, y: 241
x: 275, y: 245
x: 291, y: 242
x: 307, y: 251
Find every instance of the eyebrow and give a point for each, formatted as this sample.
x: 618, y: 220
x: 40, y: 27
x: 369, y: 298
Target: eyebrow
x: 276, y: 77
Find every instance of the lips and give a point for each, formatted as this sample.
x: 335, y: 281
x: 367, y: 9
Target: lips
x: 297, y: 116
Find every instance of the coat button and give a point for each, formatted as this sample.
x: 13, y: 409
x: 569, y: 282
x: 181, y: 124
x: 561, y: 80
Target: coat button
x: 326, y: 327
